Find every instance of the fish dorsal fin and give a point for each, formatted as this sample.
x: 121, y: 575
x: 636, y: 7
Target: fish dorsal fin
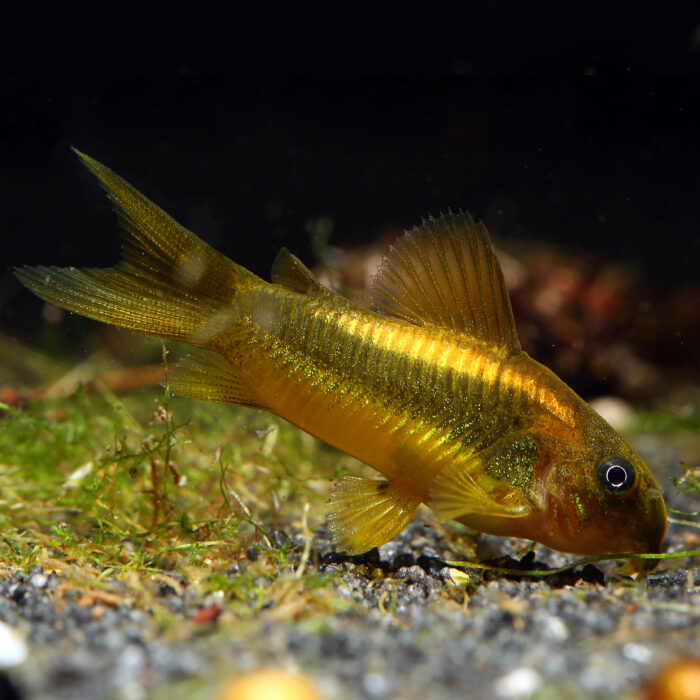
x: 291, y: 273
x: 444, y: 273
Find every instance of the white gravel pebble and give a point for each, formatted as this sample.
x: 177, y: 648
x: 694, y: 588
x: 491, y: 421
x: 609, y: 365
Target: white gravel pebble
x: 555, y: 629
x: 519, y: 683
x: 376, y: 684
x: 38, y: 580
x: 13, y: 650
x: 637, y: 652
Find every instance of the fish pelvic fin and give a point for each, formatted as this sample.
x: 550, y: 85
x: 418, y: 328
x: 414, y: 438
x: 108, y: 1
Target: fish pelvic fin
x: 209, y: 376
x: 365, y: 513
x: 444, y: 273
x: 169, y: 283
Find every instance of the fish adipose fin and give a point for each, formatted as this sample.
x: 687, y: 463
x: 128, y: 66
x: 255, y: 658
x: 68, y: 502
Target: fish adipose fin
x: 366, y: 513
x: 169, y: 283
x: 211, y: 377
x: 444, y: 273
x: 456, y: 493
x: 291, y: 273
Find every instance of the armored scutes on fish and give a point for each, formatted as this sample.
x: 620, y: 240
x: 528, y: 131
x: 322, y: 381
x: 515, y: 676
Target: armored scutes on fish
x: 430, y: 388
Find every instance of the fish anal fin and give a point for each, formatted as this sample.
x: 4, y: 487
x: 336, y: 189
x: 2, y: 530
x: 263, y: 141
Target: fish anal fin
x: 444, y: 273
x: 211, y: 377
x: 365, y: 513
x: 290, y: 272
x: 461, y: 489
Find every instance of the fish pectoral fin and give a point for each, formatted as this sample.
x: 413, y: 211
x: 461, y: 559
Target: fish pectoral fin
x: 456, y: 492
x: 211, y: 377
x: 366, y: 513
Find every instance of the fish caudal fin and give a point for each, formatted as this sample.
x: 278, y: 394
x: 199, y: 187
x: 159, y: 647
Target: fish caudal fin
x: 366, y: 513
x: 169, y: 284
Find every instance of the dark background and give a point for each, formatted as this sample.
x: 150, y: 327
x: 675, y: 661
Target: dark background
x: 608, y: 165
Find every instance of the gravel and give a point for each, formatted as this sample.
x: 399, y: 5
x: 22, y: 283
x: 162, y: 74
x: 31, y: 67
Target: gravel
x: 412, y: 627
x: 415, y: 633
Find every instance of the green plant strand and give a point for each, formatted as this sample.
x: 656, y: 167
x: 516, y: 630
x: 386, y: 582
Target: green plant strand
x: 687, y: 523
x: 540, y: 573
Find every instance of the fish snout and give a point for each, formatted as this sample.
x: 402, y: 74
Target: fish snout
x: 656, y: 520
x: 649, y: 538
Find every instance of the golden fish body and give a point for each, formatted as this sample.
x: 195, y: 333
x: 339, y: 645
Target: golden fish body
x: 431, y: 389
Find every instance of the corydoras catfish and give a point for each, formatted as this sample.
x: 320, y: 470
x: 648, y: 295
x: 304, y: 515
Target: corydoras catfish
x: 430, y: 387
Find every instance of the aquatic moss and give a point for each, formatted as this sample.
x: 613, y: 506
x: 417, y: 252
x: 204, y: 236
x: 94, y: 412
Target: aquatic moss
x: 101, y: 486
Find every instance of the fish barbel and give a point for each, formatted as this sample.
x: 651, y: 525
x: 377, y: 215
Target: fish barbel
x: 430, y: 388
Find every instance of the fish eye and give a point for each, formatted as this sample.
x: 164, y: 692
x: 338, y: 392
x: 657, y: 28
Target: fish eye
x: 616, y: 474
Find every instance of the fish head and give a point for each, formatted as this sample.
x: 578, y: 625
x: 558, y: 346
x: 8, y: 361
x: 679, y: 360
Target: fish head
x: 602, y: 498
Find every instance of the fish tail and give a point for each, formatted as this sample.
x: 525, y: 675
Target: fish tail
x: 169, y: 283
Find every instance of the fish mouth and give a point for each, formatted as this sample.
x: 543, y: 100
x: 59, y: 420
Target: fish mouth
x: 640, y: 566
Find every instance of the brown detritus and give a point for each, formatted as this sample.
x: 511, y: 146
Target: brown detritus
x: 115, y: 381
x: 690, y: 539
x: 13, y: 398
x: 95, y: 597
x: 169, y: 581
x: 207, y: 614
